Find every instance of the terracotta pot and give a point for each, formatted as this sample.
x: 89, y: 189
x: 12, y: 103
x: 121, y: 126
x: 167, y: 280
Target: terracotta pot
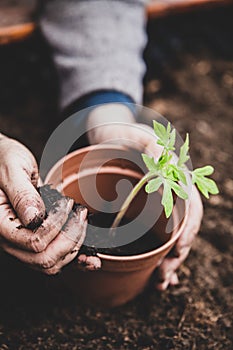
x: 78, y: 175
x: 161, y: 8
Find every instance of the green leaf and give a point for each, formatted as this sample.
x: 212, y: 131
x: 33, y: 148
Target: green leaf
x: 168, y: 129
x: 204, y: 184
x: 166, y: 138
x: 172, y: 172
x: 172, y: 140
x: 161, y: 143
x: 176, y: 173
x: 149, y: 162
x: 178, y: 189
x: 182, y: 176
x: 200, y: 186
x: 153, y: 185
x: 211, y: 186
x: 205, y: 170
x: 167, y: 199
x: 164, y: 159
x: 183, y: 157
x: 160, y: 131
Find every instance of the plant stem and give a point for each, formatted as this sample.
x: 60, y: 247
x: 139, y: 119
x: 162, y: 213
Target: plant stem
x: 129, y: 199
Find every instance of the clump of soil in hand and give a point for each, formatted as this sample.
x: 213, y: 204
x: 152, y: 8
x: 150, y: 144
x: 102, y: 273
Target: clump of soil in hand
x: 50, y: 196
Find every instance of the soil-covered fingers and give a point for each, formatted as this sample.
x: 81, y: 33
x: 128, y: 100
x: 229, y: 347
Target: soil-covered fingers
x: 25, y: 200
x: 69, y: 242
x: 61, y: 250
x: 89, y: 263
x: 74, y: 231
x: 18, y: 179
x: 36, y: 241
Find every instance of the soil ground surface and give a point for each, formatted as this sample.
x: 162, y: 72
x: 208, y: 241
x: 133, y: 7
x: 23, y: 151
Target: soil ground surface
x: 189, y: 80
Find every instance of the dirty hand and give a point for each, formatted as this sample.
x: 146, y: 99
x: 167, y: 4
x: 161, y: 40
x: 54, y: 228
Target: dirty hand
x: 103, y: 127
x: 44, y: 243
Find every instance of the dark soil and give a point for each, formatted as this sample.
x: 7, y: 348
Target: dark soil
x: 50, y: 196
x: 189, y: 80
x: 141, y: 245
x: 96, y: 238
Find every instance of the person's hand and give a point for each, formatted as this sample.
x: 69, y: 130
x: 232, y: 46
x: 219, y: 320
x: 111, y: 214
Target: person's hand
x: 105, y: 125
x: 166, y: 273
x: 44, y: 243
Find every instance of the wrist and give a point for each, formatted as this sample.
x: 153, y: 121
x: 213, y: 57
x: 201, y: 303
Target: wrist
x: 97, y: 98
x: 98, y: 108
x: 104, y: 119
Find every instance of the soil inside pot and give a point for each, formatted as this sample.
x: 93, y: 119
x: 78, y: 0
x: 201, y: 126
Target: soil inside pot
x: 94, y: 241
x: 147, y: 242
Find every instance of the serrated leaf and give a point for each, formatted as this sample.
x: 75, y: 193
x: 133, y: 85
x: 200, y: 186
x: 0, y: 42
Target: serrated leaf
x: 194, y: 177
x: 204, y: 184
x: 177, y: 174
x: 211, y: 186
x: 167, y: 199
x: 160, y: 131
x: 205, y: 170
x: 201, y: 186
x: 168, y: 129
x: 149, y: 162
x: 161, y: 143
x: 172, y: 172
x: 164, y: 159
x: 170, y: 175
x: 178, y: 189
x: 183, y: 157
x: 153, y: 185
x: 172, y: 139
x: 181, y: 175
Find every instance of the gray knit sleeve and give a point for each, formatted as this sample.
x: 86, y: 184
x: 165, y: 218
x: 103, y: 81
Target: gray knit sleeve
x: 96, y: 45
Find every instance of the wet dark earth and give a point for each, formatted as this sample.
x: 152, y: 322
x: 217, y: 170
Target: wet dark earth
x: 190, y: 81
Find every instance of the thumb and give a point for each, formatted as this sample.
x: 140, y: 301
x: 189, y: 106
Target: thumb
x: 23, y: 196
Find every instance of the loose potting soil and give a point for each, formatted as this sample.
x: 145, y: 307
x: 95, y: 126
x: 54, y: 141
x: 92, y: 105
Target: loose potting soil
x: 96, y: 242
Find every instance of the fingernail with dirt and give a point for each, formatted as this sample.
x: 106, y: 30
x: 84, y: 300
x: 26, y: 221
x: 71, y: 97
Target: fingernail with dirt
x: 90, y: 263
x: 32, y: 217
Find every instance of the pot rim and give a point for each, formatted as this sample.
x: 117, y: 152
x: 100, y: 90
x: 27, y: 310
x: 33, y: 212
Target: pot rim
x: 86, y: 149
x: 124, y: 258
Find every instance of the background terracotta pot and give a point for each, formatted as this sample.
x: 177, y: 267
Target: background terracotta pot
x: 91, y: 176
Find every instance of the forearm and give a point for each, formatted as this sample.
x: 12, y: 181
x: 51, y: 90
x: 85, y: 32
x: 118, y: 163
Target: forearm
x: 96, y: 45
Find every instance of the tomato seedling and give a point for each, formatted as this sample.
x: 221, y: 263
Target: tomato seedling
x: 170, y: 172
